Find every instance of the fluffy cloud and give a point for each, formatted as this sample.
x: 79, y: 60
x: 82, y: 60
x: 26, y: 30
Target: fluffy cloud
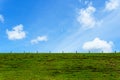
x: 112, y: 5
x: 1, y: 18
x: 17, y: 33
x: 86, y: 17
x: 98, y: 45
x: 39, y: 39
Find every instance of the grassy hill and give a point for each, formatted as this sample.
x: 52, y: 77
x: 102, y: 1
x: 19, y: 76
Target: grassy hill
x: 60, y: 66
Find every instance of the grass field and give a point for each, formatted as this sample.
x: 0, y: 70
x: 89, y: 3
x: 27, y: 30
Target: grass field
x: 60, y: 66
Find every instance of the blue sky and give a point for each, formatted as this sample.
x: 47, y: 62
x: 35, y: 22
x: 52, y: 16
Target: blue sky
x: 59, y: 25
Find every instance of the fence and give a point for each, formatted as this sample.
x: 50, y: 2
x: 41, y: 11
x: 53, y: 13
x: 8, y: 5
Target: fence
x: 63, y: 52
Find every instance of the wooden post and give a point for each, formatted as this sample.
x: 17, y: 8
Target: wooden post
x: 76, y: 52
x: 102, y: 51
x: 89, y: 51
x: 36, y: 51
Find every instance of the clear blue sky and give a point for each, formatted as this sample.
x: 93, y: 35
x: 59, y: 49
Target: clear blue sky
x: 59, y: 25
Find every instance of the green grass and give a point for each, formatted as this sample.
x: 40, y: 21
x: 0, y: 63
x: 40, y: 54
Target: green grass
x: 60, y: 66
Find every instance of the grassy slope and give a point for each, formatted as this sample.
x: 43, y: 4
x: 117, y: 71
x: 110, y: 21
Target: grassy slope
x: 59, y: 66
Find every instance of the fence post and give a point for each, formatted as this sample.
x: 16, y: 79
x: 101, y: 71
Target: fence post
x: 89, y: 51
x: 115, y: 51
x: 76, y: 52
x: 36, y: 51
x: 102, y: 51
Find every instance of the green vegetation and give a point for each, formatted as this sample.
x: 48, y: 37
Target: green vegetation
x: 60, y: 66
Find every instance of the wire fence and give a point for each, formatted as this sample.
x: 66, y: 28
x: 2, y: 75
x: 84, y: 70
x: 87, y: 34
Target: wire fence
x: 60, y: 52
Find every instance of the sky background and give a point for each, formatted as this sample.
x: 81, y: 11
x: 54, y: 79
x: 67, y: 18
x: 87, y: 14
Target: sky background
x: 59, y: 25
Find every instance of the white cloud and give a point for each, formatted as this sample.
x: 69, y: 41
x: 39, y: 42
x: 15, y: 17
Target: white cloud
x: 1, y: 18
x: 39, y: 39
x: 86, y: 17
x: 112, y: 5
x: 84, y: 1
x: 17, y: 33
x: 98, y: 45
